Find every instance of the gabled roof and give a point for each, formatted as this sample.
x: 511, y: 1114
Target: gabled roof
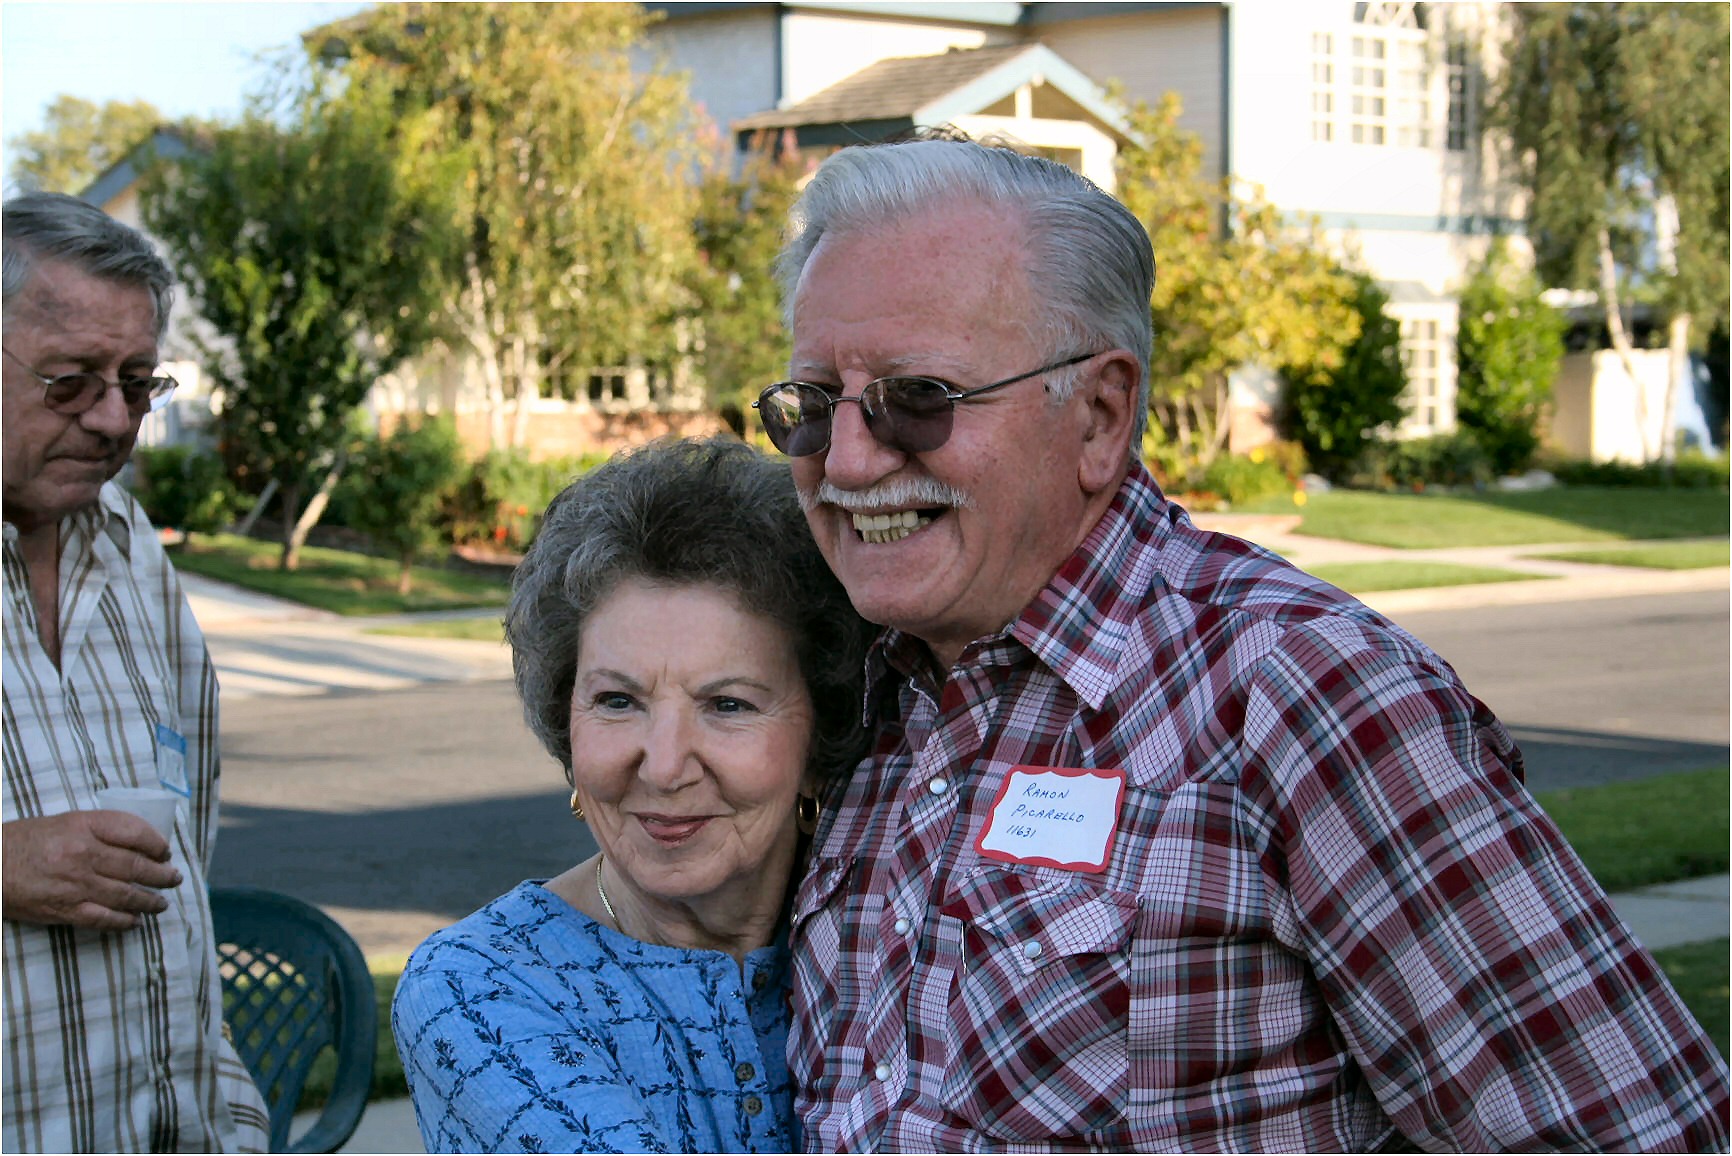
x: 119, y: 176
x: 931, y: 90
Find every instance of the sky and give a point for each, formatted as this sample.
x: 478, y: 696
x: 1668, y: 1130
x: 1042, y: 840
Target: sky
x: 186, y: 58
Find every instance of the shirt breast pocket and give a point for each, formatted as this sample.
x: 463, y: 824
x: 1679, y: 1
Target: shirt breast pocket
x: 1039, y: 1006
x: 834, y: 989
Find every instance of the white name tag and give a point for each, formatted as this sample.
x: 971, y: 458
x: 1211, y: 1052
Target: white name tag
x: 1054, y: 817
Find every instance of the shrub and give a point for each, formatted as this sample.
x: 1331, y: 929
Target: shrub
x: 1335, y: 413
x: 1451, y: 459
x: 1244, y: 478
x: 185, y: 488
x: 501, y: 499
x: 1690, y: 471
x: 396, y: 486
x: 1508, y: 346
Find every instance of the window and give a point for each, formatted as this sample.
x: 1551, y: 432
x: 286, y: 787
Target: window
x: 606, y: 386
x: 1386, y: 96
x: 1456, y: 82
x: 1427, y: 397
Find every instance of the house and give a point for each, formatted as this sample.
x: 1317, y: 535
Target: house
x: 1361, y: 116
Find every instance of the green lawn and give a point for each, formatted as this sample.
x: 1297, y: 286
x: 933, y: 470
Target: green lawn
x: 336, y: 580
x: 1367, y: 577
x: 490, y: 629
x: 1701, y: 974
x: 1647, y: 831
x: 1561, y: 514
x: 1705, y: 555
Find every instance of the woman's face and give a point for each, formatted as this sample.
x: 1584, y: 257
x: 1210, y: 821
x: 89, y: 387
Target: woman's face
x: 690, y: 726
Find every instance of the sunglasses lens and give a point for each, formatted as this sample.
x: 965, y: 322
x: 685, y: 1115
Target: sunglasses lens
x: 74, y: 393
x: 797, y: 418
x: 913, y: 414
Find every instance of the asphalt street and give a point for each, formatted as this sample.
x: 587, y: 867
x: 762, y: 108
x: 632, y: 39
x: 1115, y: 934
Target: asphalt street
x: 400, y: 811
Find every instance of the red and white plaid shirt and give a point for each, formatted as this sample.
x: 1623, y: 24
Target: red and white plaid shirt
x: 1332, y: 916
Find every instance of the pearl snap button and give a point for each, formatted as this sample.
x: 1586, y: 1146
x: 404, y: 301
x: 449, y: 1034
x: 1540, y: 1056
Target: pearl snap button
x: 902, y: 926
x: 1032, y: 948
x: 938, y: 786
x: 882, y: 1071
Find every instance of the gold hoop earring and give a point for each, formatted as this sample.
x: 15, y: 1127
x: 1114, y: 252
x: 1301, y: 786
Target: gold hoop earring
x: 807, y: 811
x: 576, y: 806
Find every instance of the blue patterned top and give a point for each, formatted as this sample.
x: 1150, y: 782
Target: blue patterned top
x: 530, y: 1027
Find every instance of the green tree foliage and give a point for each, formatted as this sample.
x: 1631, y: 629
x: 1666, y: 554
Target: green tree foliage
x: 1256, y: 293
x: 1618, y: 121
x: 79, y: 141
x: 1508, y: 346
x: 1335, y: 411
x: 739, y: 223
x: 575, y: 209
x: 184, y: 489
x: 396, y: 486
x: 309, y: 247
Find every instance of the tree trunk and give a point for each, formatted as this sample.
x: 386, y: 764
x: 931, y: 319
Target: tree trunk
x: 1678, y: 372
x: 290, y: 508
x: 245, y: 526
x: 406, y: 574
x: 297, y: 535
x: 1621, y: 339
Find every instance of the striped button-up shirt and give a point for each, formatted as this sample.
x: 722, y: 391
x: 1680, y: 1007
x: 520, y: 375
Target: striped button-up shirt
x: 113, y: 1040
x: 1329, y: 915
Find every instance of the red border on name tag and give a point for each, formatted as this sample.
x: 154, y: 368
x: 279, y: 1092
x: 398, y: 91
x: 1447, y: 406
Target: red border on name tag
x: 1042, y: 861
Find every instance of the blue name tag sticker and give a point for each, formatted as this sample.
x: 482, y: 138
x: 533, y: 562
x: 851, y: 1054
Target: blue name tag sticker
x: 171, y: 761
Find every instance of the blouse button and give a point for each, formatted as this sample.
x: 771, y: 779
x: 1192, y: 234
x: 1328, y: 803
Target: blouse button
x: 938, y: 786
x: 902, y: 926
x: 1031, y: 949
x: 752, y: 1105
x: 882, y: 1071
x: 744, y: 1072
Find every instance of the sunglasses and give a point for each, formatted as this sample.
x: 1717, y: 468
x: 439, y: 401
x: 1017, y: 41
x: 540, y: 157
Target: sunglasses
x: 71, y: 394
x: 910, y: 414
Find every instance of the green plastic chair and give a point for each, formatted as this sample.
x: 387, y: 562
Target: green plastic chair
x: 295, y: 985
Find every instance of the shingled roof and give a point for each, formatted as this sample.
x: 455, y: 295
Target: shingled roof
x: 892, y: 89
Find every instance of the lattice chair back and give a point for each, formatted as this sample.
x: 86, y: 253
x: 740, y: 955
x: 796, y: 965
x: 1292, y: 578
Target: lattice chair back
x: 295, y: 987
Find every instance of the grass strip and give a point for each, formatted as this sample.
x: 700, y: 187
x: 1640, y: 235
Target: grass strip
x: 489, y: 629
x: 1539, y: 517
x: 1702, y: 974
x: 340, y: 581
x: 1655, y: 555
x: 1647, y: 831
x: 1367, y: 577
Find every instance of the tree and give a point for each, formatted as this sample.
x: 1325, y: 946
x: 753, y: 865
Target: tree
x: 1617, y: 118
x: 309, y: 247
x: 79, y: 141
x: 576, y: 209
x: 1335, y: 411
x: 1233, y: 285
x: 1508, y: 346
x: 739, y: 223
x: 397, y: 485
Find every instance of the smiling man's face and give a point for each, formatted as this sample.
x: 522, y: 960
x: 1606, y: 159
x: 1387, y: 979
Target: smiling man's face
x: 942, y: 294
x: 66, y: 321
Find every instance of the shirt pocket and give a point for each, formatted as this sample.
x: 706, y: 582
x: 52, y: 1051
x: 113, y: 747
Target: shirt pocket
x: 1039, y: 1007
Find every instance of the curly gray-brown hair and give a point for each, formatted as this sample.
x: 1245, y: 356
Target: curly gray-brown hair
x: 697, y: 512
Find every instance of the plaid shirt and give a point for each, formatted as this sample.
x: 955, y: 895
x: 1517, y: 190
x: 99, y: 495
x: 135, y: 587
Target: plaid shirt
x: 1331, y: 916
x: 113, y: 1039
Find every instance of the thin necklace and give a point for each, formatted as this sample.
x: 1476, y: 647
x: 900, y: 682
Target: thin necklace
x: 602, y: 891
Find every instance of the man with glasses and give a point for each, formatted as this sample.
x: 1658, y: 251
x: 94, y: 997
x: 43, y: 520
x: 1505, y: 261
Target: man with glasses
x: 113, y: 1019
x: 1163, y: 843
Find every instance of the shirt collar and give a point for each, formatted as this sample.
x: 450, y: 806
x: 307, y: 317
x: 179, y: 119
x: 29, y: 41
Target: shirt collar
x: 1079, y: 623
x: 109, y: 514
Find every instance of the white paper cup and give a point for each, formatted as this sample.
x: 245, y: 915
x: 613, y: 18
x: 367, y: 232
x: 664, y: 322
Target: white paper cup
x: 152, y: 804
